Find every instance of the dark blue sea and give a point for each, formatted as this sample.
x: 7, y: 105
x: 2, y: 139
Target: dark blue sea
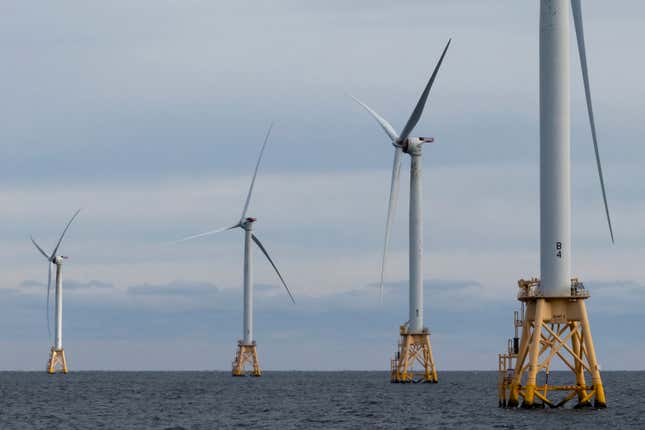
x: 291, y: 400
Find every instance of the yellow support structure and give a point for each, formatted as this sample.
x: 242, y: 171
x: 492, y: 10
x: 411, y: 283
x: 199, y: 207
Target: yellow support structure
x: 552, y: 328
x: 414, y: 348
x: 57, y: 361
x: 246, y: 354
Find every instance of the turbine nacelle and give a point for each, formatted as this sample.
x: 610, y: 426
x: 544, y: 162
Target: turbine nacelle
x: 247, y: 222
x: 411, y: 144
x: 58, y: 259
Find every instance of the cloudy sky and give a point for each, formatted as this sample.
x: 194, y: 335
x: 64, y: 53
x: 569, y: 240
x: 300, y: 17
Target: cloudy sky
x: 149, y: 116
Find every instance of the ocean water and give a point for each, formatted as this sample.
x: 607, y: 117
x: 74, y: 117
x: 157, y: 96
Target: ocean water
x: 290, y: 400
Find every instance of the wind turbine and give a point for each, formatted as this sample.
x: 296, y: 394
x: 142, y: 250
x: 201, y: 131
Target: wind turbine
x: 415, y: 338
x: 246, y: 351
x: 57, y: 354
x: 555, y: 312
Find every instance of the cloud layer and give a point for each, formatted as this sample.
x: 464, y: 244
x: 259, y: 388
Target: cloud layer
x: 196, y: 317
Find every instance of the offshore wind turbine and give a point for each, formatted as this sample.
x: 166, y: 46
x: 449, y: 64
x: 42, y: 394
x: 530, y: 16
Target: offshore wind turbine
x: 57, y: 353
x: 414, y: 345
x: 246, y: 348
x: 554, y: 318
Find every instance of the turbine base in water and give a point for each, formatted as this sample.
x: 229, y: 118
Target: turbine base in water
x: 413, y: 348
x: 551, y: 327
x: 57, y: 361
x: 246, y: 354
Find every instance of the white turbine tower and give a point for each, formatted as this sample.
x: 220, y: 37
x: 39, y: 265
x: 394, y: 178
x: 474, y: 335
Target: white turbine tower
x: 246, y: 352
x: 415, y: 338
x: 555, y: 313
x: 57, y: 354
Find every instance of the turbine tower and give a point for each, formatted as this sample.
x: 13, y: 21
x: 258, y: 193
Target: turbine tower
x: 553, y: 318
x: 57, y: 353
x: 246, y: 347
x: 414, y: 345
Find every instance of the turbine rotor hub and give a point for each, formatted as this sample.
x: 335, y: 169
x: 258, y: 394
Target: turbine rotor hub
x: 248, y: 223
x: 412, y: 145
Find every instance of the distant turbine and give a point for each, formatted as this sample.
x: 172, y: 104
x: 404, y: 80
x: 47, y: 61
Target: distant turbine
x: 246, y: 352
x: 57, y: 354
x: 415, y: 340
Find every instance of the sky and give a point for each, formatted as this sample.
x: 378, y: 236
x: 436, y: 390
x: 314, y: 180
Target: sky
x: 149, y: 116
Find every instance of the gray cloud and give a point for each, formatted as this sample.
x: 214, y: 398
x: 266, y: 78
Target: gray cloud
x: 129, y: 120
x: 620, y: 297
x: 437, y: 285
x: 29, y: 283
x: 266, y: 288
x: 69, y: 284
x: 175, y: 288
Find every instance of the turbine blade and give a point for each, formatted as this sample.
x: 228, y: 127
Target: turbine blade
x: 255, y: 173
x: 391, y: 209
x: 266, y: 254
x: 382, y: 122
x: 63, y: 234
x: 208, y: 233
x: 418, y: 110
x: 49, y: 282
x: 39, y: 248
x: 580, y: 36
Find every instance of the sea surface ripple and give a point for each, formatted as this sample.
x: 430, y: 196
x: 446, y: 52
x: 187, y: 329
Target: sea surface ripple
x: 290, y: 400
